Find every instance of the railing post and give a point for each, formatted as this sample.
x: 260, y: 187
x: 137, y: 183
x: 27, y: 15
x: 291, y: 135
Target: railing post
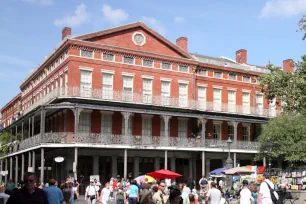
x: 126, y: 116
x: 166, y: 120
x: 32, y: 125
x: 42, y: 123
x: 235, y: 125
x: 203, y: 132
x: 76, y: 112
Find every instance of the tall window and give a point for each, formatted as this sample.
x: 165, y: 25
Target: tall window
x: 182, y: 128
x: 246, y: 133
x: 147, y: 90
x: 217, y: 99
x: 231, y: 101
x: 146, y: 126
x: 87, y: 53
x: 86, y: 79
x: 106, y: 124
x: 202, y: 97
x: 107, y: 86
x: 61, y: 81
x: 85, y: 122
x: 183, y: 95
x: 128, y: 88
x: 217, y: 131
x: 246, y: 102
x: 162, y: 127
x: 165, y: 92
x: 130, y: 126
x: 259, y: 104
x: 230, y: 131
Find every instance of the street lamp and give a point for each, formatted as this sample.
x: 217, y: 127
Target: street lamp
x: 229, y: 161
x: 269, y: 146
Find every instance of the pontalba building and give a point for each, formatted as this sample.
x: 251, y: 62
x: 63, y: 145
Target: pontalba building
x: 126, y: 101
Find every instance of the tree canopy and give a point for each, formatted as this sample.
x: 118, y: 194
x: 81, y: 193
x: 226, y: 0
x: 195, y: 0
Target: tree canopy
x: 288, y: 134
x: 302, y: 26
x: 289, y: 88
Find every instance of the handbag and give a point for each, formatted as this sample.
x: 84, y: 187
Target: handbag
x: 273, y: 193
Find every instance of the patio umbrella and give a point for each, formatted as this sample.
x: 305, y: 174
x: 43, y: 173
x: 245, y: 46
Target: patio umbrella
x: 217, y: 171
x: 238, y: 171
x: 140, y: 179
x: 164, y: 174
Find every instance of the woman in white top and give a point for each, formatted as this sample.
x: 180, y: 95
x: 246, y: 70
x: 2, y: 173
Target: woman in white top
x: 105, y: 193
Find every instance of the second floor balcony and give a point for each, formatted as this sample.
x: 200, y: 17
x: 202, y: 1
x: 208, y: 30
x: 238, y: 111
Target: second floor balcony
x: 128, y: 96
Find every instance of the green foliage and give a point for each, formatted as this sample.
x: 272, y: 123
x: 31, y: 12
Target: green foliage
x: 5, y: 139
x: 302, y: 26
x: 288, y: 133
x: 289, y: 88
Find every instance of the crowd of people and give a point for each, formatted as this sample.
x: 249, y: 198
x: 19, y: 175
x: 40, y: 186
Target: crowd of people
x: 136, y: 192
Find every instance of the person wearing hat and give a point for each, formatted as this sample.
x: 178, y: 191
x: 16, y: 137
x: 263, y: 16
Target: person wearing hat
x: 246, y: 194
x: 264, y: 196
x: 91, y: 193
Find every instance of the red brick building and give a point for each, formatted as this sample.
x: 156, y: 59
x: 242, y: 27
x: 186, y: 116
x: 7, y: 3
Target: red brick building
x: 11, y: 111
x: 126, y: 101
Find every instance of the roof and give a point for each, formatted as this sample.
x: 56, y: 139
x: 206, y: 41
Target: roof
x: 226, y: 62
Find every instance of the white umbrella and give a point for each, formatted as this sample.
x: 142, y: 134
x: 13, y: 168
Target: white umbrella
x: 237, y: 171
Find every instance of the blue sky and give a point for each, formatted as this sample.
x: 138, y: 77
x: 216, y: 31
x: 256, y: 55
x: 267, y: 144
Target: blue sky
x: 30, y: 29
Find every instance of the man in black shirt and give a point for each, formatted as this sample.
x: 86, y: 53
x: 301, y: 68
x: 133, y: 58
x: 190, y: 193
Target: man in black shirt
x: 29, y: 194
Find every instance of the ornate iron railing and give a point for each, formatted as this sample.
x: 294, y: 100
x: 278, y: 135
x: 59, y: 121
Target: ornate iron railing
x: 137, y: 141
x: 155, y: 100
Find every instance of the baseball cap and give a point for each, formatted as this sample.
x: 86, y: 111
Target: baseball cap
x: 266, y: 174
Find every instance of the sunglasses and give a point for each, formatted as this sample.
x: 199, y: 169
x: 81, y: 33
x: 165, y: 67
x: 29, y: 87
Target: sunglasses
x: 28, y: 181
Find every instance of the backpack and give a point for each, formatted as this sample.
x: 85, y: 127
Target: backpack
x: 273, y: 193
x: 204, y: 182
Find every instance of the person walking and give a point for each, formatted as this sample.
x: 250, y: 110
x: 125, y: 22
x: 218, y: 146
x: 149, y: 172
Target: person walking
x: 214, y: 194
x: 157, y: 199
x: 67, y: 194
x: 246, y: 194
x: 91, y: 193
x: 54, y: 194
x: 120, y: 197
x: 105, y: 194
x: 76, y: 187
x: 134, y: 193
x: 264, y: 196
x: 28, y: 194
x: 203, y: 182
x: 4, y: 196
x: 10, y: 186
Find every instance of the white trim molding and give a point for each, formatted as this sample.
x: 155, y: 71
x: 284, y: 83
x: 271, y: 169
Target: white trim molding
x: 246, y: 124
x: 183, y: 82
x: 165, y: 79
x: 231, y: 89
x: 202, y: 85
x: 246, y: 91
x: 217, y: 87
x: 86, y: 68
x: 128, y: 74
x: 147, y: 77
x: 218, y: 122
x: 144, y: 38
x: 107, y: 112
x: 107, y: 71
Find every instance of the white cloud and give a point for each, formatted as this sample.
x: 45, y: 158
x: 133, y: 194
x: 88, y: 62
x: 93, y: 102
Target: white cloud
x: 79, y: 17
x: 5, y: 59
x: 114, y: 16
x: 41, y: 2
x: 282, y: 8
x: 179, y: 19
x: 154, y: 24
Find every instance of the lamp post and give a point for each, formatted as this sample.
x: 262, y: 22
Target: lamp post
x: 229, y: 161
x: 269, y: 146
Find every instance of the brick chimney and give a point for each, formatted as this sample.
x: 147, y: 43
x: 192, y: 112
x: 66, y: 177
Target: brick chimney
x: 182, y: 42
x: 241, y: 56
x: 65, y: 32
x: 288, y: 65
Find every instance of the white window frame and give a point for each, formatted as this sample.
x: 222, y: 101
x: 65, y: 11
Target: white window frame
x: 182, y: 127
x: 85, y: 91
x: 147, y: 97
x: 246, y: 108
x: 183, y: 101
x: 146, y: 125
x: 106, y: 115
x: 107, y: 93
x: 203, y: 70
x: 128, y: 57
x: 231, y: 135
x: 127, y: 97
x: 247, y: 137
x: 108, y: 60
x: 231, y: 106
x: 161, y: 65
x: 246, y: 81
x: 202, y: 100
x: 93, y: 53
x: 162, y: 127
x: 272, y: 108
x: 179, y: 68
x: 217, y: 124
x: 221, y: 77
x: 88, y: 121
x: 165, y: 100
x: 260, y: 108
x: 147, y: 66
x: 217, y: 106
x: 232, y: 79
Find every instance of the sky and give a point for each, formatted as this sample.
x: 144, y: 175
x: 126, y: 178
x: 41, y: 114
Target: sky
x: 31, y: 29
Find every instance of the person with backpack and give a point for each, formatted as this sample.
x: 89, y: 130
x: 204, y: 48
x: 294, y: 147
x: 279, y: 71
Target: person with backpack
x: 91, y: 193
x: 203, y: 182
x: 267, y: 194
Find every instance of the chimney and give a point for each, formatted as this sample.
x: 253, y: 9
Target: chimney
x: 241, y: 56
x: 182, y: 42
x: 65, y: 32
x: 288, y: 65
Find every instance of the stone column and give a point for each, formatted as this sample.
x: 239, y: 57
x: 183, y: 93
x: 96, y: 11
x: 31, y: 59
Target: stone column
x: 95, y: 165
x: 11, y: 168
x: 166, y: 159
x: 166, y: 120
x: 125, y: 164
x: 203, y: 163
x: 33, y: 161
x: 235, y: 125
x: 235, y: 159
x: 33, y: 125
x: 190, y: 168
x: 42, y: 122
x: 76, y: 112
x: 6, y: 166
x: 16, y: 170
x: 29, y: 130
x: 207, y: 167
x: 172, y: 164
x: 136, y: 167
x: 22, y: 133
x: 203, y: 132
x: 29, y: 160
x: 156, y: 163
x: 264, y: 161
x: 75, y: 165
x: 42, y: 165
x: 114, y: 166
x: 126, y: 116
x: 22, y: 166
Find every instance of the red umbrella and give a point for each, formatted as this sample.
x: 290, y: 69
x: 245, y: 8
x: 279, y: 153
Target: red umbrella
x: 164, y: 174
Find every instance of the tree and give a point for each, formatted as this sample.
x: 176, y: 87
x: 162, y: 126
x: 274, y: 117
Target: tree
x: 288, y: 133
x: 289, y: 88
x: 6, y: 141
x: 302, y: 25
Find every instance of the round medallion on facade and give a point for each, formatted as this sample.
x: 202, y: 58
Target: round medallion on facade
x: 139, y: 38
